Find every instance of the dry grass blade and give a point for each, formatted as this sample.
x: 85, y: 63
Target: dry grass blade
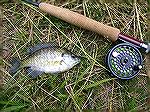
x: 86, y: 86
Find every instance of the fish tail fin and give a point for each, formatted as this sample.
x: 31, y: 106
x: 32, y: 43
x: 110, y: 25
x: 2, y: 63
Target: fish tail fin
x: 15, y: 65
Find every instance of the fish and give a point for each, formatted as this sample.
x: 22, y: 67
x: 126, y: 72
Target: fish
x: 45, y: 58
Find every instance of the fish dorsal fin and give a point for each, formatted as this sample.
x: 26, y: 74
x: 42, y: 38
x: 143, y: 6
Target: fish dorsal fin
x: 37, y: 47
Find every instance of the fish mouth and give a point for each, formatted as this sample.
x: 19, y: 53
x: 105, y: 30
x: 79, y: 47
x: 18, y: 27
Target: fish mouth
x: 78, y: 61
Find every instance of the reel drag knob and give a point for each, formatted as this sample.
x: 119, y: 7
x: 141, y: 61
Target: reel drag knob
x: 124, y: 61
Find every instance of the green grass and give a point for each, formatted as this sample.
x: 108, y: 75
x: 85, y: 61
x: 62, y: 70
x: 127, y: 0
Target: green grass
x: 86, y: 87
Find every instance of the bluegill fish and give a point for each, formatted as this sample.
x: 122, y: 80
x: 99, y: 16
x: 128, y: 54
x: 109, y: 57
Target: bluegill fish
x: 47, y: 58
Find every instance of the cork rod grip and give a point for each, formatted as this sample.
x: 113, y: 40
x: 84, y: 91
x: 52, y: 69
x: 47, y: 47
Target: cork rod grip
x: 80, y: 21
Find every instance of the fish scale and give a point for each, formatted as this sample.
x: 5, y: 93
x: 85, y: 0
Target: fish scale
x: 48, y: 58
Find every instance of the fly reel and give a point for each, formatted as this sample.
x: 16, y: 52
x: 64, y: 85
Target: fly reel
x: 124, y: 60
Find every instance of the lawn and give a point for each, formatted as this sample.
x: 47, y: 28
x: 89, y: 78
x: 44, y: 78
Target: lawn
x: 86, y: 87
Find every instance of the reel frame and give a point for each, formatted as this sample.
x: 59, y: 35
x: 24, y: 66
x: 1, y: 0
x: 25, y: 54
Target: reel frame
x: 124, y: 60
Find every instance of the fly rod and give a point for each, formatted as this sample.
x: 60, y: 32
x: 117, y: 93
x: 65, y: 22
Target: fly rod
x: 125, y: 59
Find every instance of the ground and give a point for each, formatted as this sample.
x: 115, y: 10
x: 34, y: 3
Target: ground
x: 86, y: 87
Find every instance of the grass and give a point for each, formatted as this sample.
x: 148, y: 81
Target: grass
x: 86, y: 87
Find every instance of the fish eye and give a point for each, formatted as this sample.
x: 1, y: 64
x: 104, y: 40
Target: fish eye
x: 62, y: 54
x: 73, y: 56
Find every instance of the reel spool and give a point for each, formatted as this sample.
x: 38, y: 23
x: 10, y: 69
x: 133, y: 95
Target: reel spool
x: 124, y: 60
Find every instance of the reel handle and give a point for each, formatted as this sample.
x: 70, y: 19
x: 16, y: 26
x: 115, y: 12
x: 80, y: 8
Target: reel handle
x: 80, y: 21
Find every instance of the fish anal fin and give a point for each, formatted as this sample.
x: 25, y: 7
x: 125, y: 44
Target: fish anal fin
x: 33, y: 73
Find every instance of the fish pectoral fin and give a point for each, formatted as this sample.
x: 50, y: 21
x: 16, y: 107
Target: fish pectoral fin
x: 33, y: 73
